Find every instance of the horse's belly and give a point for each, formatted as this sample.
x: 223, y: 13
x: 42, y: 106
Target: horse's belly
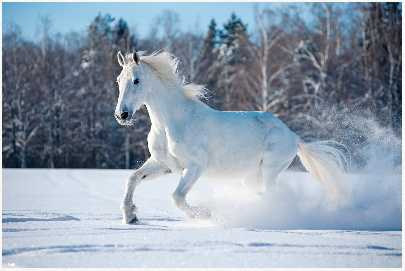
x: 234, y: 160
x: 232, y: 171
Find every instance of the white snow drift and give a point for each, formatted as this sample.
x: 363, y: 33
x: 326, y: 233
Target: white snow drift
x: 71, y: 218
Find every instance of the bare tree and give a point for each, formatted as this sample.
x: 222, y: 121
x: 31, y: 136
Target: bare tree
x: 166, y: 27
x: 271, y: 62
x: 21, y: 118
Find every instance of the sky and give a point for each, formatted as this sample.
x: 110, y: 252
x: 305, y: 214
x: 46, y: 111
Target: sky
x: 68, y: 17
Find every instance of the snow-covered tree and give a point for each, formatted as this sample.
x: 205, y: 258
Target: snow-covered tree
x: 206, y: 72
x: 233, y: 55
x: 269, y: 72
x: 21, y: 113
x: 381, y: 57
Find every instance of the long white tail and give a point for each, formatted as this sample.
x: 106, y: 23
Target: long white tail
x: 327, y: 163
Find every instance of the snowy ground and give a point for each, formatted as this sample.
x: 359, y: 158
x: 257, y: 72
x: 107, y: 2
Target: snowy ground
x: 71, y: 218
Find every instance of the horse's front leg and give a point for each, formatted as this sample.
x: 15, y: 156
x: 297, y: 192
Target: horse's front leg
x: 189, y: 177
x: 149, y: 170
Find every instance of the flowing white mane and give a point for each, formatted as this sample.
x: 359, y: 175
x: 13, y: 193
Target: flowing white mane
x: 165, y: 66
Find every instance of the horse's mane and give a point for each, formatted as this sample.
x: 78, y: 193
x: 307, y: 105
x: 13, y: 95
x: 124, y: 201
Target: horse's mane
x: 165, y: 66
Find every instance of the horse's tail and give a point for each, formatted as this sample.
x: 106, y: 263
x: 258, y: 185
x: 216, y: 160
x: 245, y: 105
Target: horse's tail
x: 327, y: 163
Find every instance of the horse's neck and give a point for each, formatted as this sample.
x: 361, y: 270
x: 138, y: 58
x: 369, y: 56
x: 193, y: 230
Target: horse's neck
x: 168, y: 108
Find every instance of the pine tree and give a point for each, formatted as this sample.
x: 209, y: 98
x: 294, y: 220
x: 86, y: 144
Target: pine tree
x: 121, y: 37
x: 232, y: 38
x: 98, y: 97
x: 206, y: 73
x: 233, y: 56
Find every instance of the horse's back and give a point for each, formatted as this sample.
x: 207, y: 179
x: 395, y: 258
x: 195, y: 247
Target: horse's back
x: 249, y: 126
x: 238, y: 140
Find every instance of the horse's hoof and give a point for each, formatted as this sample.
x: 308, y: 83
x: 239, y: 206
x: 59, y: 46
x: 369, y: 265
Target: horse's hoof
x: 133, y: 221
x: 130, y: 219
x: 129, y: 215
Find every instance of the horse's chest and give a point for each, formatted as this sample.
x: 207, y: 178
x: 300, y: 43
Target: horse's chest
x: 161, y: 147
x: 157, y: 144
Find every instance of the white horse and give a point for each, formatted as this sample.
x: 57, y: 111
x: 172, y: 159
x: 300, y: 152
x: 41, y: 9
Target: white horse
x: 190, y: 138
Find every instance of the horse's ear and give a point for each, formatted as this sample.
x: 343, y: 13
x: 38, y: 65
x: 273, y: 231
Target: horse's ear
x: 121, y: 59
x: 136, y: 58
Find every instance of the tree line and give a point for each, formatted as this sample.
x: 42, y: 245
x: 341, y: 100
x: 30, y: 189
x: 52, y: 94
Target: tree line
x: 59, y: 93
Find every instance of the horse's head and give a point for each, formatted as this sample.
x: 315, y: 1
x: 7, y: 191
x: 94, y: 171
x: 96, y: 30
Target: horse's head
x: 147, y: 80
x: 132, y: 88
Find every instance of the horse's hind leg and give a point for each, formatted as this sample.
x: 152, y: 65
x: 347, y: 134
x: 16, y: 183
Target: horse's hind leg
x: 273, y: 163
x: 149, y: 170
x: 254, y: 181
x: 271, y: 171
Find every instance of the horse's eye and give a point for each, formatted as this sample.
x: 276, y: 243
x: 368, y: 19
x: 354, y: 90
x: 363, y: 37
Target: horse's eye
x: 136, y: 81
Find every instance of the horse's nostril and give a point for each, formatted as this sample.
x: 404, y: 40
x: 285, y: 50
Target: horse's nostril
x: 124, y: 115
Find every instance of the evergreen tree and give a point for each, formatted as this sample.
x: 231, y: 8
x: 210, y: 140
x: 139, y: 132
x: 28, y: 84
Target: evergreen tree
x: 97, y: 98
x: 233, y: 56
x: 212, y: 35
x: 121, y: 36
x: 232, y: 29
x: 206, y: 72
